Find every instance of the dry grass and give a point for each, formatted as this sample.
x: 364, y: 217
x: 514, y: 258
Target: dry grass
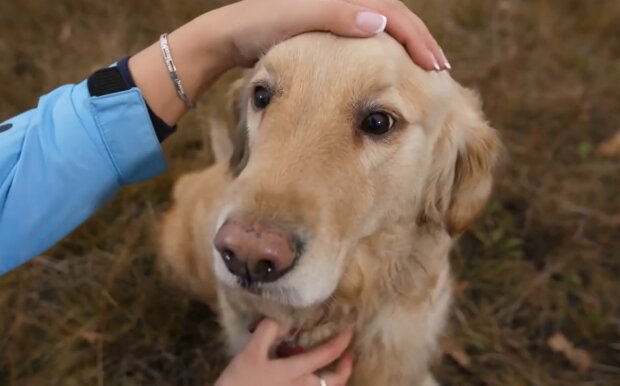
x: 544, y: 259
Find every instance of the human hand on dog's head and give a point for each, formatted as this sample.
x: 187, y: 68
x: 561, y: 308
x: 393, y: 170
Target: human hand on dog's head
x: 258, y: 24
x: 238, y: 34
x: 253, y: 366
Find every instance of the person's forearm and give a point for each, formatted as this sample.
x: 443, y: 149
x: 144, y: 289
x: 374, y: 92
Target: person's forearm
x: 60, y: 161
x: 201, y: 53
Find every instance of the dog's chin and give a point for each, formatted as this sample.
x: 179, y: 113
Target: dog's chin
x: 289, y: 291
x: 276, y: 293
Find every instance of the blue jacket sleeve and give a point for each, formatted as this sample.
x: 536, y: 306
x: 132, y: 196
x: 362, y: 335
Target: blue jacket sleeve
x: 62, y: 160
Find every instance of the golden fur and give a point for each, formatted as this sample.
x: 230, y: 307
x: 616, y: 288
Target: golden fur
x: 379, y: 214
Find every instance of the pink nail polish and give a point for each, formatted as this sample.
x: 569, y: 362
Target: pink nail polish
x: 371, y: 22
x: 435, y: 63
x: 445, y: 61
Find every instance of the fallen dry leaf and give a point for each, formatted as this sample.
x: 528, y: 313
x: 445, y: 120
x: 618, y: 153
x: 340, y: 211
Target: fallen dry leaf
x: 579, y: 358
x: 90, y: 336
x: 459, y: 287
x: 65, y: 33
x: 610, y: 147
x: 456, y: 352
x: 506, y: 6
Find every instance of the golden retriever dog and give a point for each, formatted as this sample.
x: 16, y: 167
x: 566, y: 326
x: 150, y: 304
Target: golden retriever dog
x: 353, y: 172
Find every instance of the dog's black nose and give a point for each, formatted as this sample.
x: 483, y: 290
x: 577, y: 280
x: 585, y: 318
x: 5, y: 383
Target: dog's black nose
x: 255, y: 252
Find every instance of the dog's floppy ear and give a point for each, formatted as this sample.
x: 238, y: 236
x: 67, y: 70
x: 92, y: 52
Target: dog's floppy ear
x: 463, y: 185
x: 238, y: 100
x: 473, y: 178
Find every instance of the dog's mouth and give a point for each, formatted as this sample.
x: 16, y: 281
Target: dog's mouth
x: 272, y: 293
x: 250, y: 286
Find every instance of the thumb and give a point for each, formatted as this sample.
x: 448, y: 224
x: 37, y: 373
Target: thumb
x: 348, y: 19
x: 267, y: 333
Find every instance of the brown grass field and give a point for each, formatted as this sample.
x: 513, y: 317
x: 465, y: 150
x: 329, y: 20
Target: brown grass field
x: 544, y: 259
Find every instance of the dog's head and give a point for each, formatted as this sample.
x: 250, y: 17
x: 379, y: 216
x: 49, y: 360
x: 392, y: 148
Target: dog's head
x: 337, y: 138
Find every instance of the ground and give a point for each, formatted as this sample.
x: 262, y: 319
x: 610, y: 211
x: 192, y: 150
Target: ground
x: 544, y: 260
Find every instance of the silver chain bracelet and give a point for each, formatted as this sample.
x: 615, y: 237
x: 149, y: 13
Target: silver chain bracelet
x: 172, y: 71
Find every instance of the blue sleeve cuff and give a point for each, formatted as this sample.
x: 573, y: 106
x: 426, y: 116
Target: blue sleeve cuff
x: 128, y: 135
x: 162, y: 129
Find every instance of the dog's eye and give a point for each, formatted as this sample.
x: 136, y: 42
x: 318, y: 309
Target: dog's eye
x: 377, y: 123
x: 262, y: 97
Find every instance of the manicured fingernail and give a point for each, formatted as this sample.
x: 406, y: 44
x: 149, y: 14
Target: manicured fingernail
x: 371, y: 22
x: 445, y: 61
x: 435, y: 63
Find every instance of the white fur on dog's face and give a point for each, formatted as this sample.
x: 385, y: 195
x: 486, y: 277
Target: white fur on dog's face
x: 315, y: 173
